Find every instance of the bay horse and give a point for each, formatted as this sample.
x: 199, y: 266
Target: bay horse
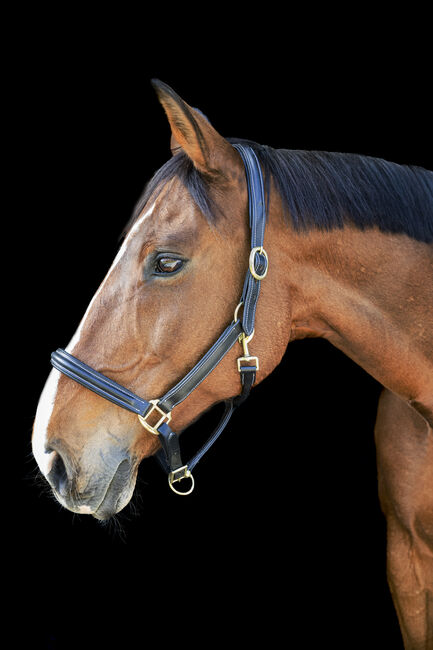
x: 349, y: 242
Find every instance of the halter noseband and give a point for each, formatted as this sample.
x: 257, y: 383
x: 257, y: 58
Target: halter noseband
x: 155, y: 414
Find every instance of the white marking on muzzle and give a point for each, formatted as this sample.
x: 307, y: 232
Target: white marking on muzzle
x: 43, y: 414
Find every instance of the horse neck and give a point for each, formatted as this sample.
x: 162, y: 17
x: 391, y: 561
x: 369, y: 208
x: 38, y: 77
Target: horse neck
x: 370, y: 294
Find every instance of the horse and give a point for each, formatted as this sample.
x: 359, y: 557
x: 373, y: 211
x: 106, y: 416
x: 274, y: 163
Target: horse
x: 349, y: 243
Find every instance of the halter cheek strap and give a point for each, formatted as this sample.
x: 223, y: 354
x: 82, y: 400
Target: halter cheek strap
x: 155, y: 415
x: 258, y: 260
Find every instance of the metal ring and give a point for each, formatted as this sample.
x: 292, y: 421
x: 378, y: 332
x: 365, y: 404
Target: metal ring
x: 235, y: 317
x: 261, y: 251
x: 187, y: 474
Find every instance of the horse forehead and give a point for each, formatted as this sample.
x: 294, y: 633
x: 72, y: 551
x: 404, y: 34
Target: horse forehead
x: 172, y: 211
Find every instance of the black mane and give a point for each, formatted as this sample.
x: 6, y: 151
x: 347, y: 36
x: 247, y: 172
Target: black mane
x: 324, y: 190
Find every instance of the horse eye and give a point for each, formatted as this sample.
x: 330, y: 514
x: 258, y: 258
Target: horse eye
x: 166, y: 265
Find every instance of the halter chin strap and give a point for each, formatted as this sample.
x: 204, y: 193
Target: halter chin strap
x: 155, y: 414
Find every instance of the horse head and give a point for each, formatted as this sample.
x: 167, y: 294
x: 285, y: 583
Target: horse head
x: 170, y: 291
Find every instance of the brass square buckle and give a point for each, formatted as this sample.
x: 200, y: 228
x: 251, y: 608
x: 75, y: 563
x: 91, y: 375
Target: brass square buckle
x: 248, y: 360
x: 153, y: 428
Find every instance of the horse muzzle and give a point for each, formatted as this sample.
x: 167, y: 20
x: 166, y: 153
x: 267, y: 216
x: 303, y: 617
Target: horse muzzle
x: 100, y: 486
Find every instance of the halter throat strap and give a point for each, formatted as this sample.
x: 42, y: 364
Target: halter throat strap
x: 155, y: 415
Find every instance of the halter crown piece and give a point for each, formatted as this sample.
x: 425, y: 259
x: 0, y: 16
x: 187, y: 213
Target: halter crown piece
x: 155, y: 414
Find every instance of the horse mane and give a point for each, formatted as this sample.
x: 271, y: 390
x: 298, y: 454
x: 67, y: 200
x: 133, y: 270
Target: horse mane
x: 323, y: 190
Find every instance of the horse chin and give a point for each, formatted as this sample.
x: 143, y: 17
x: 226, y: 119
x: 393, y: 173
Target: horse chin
x: 115, y: 495
x: 108, y: 509
x: 118, y: 493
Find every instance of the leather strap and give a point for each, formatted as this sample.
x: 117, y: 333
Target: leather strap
x: 98, y: 383
x: 228, y: 412
x: 248, y: 377
x: 114, y: 392
x: 257, y: 212
x: 169, y: 455
x: 202, y: 369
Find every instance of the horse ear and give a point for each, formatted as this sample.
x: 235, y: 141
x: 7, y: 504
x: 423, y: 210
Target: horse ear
x: 174, y: 144
x: 192, y: 132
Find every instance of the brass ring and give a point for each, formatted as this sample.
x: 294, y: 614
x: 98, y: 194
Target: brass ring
x: 186, y: 474
x: 261, y: 251
x: 235, y: 317
x: 183, y: 494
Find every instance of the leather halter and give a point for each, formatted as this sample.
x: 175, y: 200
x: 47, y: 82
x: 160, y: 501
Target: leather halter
x: 158, y: 411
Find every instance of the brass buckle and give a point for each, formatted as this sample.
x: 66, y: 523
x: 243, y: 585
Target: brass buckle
x: 249, y: 359
x: 178, y: 475
x: 261, y: 251
x: 164, y: 416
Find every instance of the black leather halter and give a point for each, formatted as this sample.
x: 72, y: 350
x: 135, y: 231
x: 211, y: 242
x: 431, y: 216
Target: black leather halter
x: 155, y: 414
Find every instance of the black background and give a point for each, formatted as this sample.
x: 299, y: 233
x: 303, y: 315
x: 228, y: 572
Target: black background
x: 283, y: 537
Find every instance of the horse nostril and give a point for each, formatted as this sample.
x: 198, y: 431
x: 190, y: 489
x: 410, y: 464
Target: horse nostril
x: 58, y: 477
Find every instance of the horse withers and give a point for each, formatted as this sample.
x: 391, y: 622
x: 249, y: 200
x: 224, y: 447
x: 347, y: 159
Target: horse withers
x: 349, y: 242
